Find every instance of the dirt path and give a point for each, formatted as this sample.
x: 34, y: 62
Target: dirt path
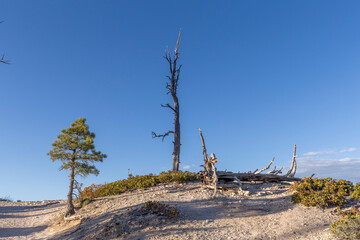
x: 26, y: 220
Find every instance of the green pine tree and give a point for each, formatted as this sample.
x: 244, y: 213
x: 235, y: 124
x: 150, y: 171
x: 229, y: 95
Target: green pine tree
x: 74, y: 147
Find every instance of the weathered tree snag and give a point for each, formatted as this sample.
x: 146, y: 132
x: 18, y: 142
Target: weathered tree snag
x: 209, y: 175
x: 172, y: 88
x: 206, y: 165
x: 292, y: 170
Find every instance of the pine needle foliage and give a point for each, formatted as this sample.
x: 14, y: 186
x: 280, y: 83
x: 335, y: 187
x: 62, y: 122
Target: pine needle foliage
x: 74, y: 147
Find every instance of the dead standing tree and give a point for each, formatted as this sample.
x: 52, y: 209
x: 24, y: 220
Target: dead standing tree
x: 171, y: 86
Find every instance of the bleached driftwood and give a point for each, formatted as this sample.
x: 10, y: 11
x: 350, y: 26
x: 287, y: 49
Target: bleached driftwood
x: 256, y: 177
x: 209, y: 175
x: 266, y: 168
x: 289, y: 174
x: 292, y: 170
x: 225, y: 180
x: 279, y: 171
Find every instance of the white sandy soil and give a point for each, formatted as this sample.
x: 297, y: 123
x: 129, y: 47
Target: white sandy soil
x: 261, y: 211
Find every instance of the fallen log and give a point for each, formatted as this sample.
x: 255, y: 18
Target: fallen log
x: 255, y: 177
x: 214, y: 179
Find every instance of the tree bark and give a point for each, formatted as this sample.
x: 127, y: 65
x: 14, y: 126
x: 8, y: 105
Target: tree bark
x: 70, y: 206
x: 177, y: 144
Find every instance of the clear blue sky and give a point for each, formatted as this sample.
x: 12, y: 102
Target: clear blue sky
x: 257, y: 77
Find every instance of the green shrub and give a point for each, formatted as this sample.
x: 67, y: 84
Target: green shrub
x: 160, y: 209
x: 349, y: 226
x: 356, y: 192
x: 321, y: 192
x: 179, y: 177
x: 137, y: 182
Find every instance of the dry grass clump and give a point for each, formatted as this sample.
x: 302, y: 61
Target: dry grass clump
x: 349, y: 227
x: 137, y: 182
x: 321, y: 192
x: 160, y: 209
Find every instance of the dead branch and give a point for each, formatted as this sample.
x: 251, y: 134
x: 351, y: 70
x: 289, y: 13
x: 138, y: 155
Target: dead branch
x: 292, y: 170
x: 78, y: 188
x: 271, y: 171
x: 168, y: 106
x: 2, y: 60
x: 154, y: 135
x: 206, y: 157
x: 266, y: 168
x: 278, y: 171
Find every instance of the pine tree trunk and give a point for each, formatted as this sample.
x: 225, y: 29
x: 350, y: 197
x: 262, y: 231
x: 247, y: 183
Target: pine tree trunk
x: 177, y: 144
x: 70, y: 206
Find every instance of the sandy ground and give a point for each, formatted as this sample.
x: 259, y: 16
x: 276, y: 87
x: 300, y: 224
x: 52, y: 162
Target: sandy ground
x: 27, y: 220
x: 263, y: 211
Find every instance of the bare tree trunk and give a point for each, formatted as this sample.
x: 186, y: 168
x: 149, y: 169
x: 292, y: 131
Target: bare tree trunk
x: 172, y: 88
x: 70, y: 206
x: 177, y: 144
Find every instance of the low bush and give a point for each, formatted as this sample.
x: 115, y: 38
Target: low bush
x: 356, y: 192
x: 137, y: 182
x: 349, y: 227
x: 321, y: 192
x: 160, y: 209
